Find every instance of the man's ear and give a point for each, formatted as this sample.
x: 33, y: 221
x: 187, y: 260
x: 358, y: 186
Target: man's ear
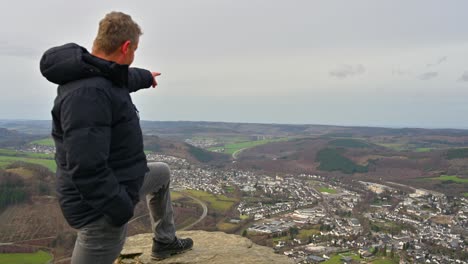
x: 125, y: 47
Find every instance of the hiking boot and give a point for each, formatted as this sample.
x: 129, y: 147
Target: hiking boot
x: 165, y: 250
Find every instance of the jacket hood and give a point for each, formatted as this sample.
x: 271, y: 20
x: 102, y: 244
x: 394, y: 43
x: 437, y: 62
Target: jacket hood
x: 71, y: 62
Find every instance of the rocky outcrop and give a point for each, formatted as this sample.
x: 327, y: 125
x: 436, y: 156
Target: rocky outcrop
x: 209, y: 247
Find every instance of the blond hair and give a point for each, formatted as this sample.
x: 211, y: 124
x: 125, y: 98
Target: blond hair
x: 114, y: 29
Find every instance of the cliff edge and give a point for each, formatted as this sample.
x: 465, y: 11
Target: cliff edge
x: 209, y: 247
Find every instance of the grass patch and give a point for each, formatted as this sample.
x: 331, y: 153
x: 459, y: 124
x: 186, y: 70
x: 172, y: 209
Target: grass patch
x: 465, y: 194
x: 243, y: 217
x: 229, y: 189
x: 281, y: 238
x: 40, y: 257
x: 218, y: 203
x: 332, y: 160
x: 22, y: 171
x: 48, y: 163
x: 327, y: 190
x: 226, y: 227
x: 394, y: 146
x: 451, y: 178
x: 305, y: 233
x: 14, y: 153
x: 423, y: 150
x: 49, y: 142
x: 233, y: 147
x: 176, y: 195
x: 336, y: 259
x: 3, y: 164
x: 349, y: 143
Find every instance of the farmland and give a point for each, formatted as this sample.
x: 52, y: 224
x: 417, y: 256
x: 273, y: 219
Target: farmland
x: 451, y: 178
x: 44, y: 142
x: 48, y: 163
x: 8, y: 156
x: 233, y: 147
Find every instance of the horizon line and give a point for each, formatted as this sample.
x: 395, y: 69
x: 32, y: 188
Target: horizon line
x: 273, y: 123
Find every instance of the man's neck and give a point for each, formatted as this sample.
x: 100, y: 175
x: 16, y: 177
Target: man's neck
x: 107, y: 57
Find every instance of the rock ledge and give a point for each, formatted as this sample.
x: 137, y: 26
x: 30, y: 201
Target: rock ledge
x: 209, y: 247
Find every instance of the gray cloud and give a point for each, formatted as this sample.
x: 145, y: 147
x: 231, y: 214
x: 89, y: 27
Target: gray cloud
x: 464, y: 77
x: 427, y: 76
x: 438, y: 62
x: 345, y: 71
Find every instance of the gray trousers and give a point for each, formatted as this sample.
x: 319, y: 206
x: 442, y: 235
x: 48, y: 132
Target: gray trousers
x: 101, y: 243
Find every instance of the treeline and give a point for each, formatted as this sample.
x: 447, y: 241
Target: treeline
x: 16, y: 188
x: 331, y: 160
x: 200, y: 154
x: 12, y: 189
x: 457, y: 153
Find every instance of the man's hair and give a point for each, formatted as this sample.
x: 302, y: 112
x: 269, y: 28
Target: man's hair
x: 114, y: 29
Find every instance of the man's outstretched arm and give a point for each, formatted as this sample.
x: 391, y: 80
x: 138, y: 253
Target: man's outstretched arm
x: 86, y: 121
x: 140, y: 79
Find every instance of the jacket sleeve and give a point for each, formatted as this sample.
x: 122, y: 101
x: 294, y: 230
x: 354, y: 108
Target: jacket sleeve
x: 139, y: 79
x: 86, y: 119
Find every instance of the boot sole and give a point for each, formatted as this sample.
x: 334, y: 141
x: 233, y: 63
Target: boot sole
x: 167, y: 254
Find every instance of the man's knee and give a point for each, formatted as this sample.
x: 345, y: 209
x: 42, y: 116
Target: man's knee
x: 160, y: 171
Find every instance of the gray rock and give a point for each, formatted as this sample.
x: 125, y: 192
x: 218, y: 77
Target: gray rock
x: 209, y: 247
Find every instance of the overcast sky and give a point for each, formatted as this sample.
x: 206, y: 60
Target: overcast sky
x: 395, y: 63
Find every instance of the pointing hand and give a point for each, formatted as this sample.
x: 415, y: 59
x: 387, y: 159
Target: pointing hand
x: 154, y: 78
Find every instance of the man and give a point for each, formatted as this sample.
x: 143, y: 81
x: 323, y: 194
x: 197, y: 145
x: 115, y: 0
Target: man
x: 101, y: 166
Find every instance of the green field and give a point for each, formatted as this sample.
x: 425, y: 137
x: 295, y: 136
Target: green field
x: 44, y: 142
x: 48, y: 163
x: 40, y: 257
x: 218, y: 203
x: 336, y: 259
x: 394, y: 146
x: 231, y: 148
x: 176, y: 195
x: 9, y: 156
x: 423, y: 149
x: 452, y: 178
x: 327, y: 190
x: 14, y: 153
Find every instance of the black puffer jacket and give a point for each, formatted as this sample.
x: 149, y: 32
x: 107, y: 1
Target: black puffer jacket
x: 99, y: 146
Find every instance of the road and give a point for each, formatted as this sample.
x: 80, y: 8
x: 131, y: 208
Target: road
x: 237, y: 152
x: 205, y: 212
